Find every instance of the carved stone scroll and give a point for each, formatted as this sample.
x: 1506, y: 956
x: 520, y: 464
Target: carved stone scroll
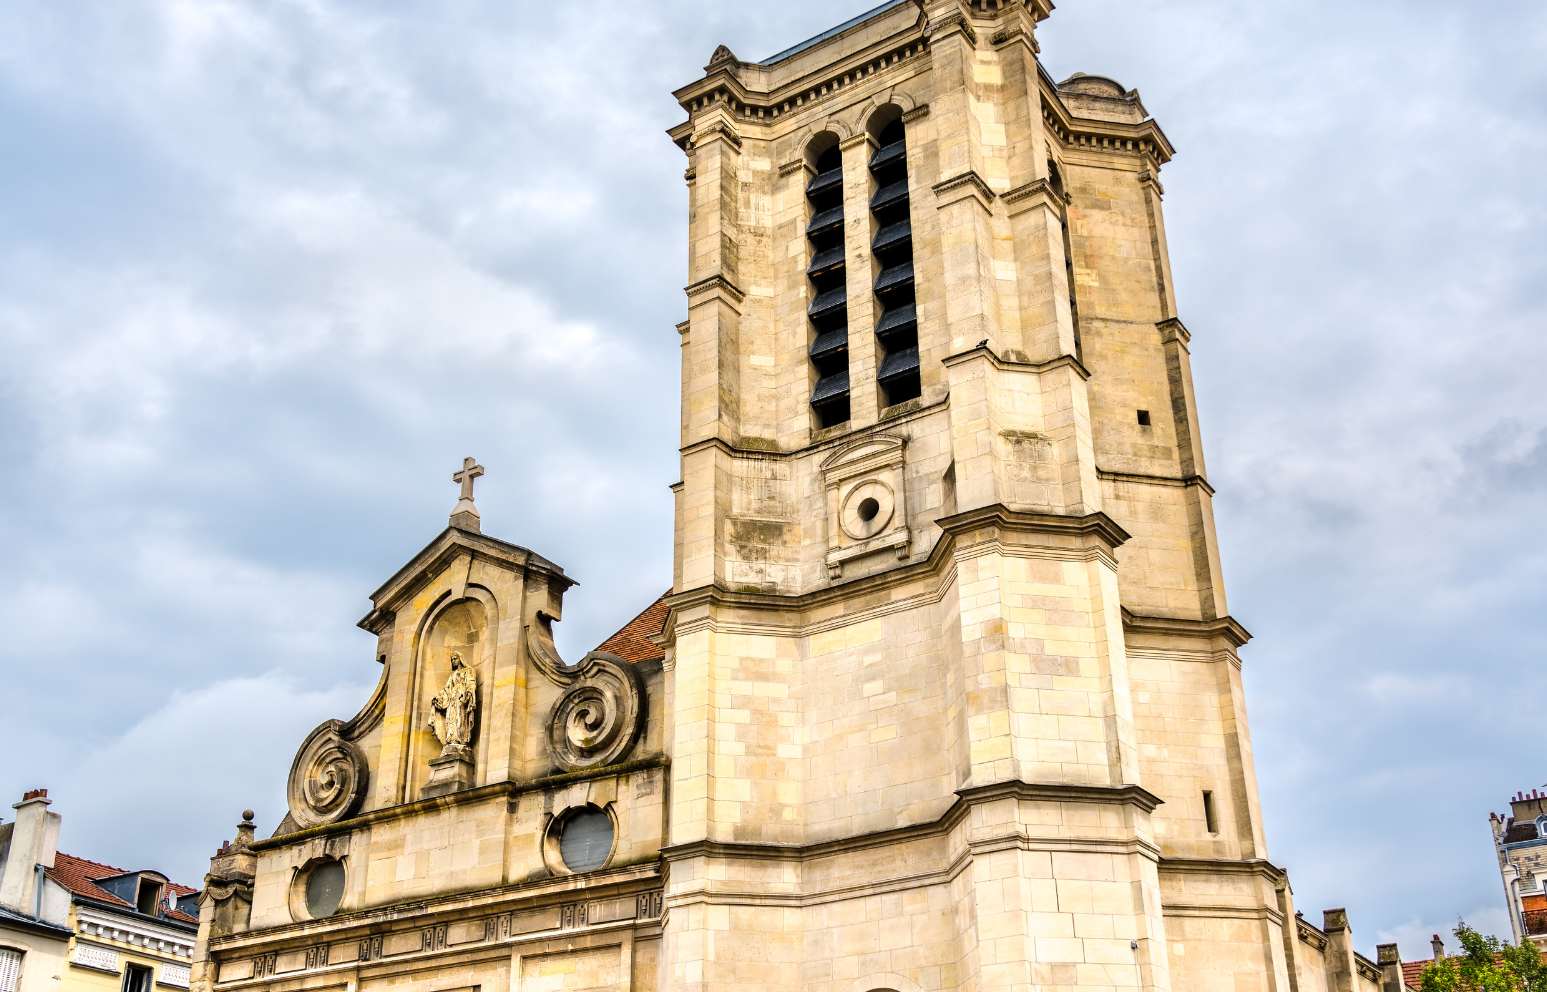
x: 601, y: 713
x: 327, y: 778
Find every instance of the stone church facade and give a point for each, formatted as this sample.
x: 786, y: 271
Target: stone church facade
x: 945, y: 694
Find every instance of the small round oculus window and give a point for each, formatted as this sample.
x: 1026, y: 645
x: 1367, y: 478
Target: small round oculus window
x: 324, y: 889
x: 867, y: 509
x: 585, y: 840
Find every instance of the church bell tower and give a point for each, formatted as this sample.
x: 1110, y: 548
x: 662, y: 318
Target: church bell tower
x: 956, y: 700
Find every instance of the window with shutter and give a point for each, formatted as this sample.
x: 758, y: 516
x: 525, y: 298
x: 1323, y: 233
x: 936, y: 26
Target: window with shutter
x: 10, y: 970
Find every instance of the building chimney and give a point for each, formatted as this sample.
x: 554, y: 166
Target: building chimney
x: 1438, y: 946
x: 1390, y: 961
x: 34, y: 841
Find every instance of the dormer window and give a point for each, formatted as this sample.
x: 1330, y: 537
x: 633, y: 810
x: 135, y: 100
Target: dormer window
x: 144, y: 890
x: 148, y: 899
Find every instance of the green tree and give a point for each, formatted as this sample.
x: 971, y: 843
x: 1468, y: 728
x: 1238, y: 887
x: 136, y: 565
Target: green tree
x: 1486, y: 964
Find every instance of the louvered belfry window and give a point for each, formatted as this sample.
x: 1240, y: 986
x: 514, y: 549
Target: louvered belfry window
x: 897, y: 324
x: 829, y: 308
x: 1056, y: 181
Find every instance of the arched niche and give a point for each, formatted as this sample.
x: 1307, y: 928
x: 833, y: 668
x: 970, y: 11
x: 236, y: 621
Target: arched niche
x: 463, y: 626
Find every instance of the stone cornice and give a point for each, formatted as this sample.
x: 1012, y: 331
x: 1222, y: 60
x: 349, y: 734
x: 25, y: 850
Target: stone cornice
x: 950, y: 25
x: 1310, y: 934
x: 1143, y: 138
x: 543, y: 893
x: 1227, y: 627
x: 446, y: 547
x: 1124, y: 795
x: 1172, y: 329
x: 1008, y: 364
x: 745, y: 450
x: 940, y: 562
x: 104, y: 920
x: 1037, y: 193
x: 1156, y: 480
x: 508, y: 790
x: 716, y: 284
x: 1097, y: 525
x: 725, y: 87
x: 1224, y: 866
x: 961, y: 186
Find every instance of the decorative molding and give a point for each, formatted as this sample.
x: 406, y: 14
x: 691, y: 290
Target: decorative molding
x: 327, y: 778
x: 1309, y: 934
x: 855, y: 140
x: 601, y: 714
x: 968, y: 183
x: 509, y: 790
x: 790, y: 168
x: 722, y: 89
x: 172, y: 940
x: 1226, y: 627
x: 173, y: 975
x: 999, y: 516
x: 916, y: 114
x: 950, y: 25
x: 1005, y: 364
x: 1156, y: 480
x: 1172, y: 329
x: 435, y: 556
x: 715, y: 284
x: 1143, y: 138
x: 863, y: 475
x: 95, y: 956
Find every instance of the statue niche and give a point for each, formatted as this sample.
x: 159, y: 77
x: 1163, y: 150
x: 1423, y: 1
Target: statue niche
x: 450, y: 656
x: 454, y: 710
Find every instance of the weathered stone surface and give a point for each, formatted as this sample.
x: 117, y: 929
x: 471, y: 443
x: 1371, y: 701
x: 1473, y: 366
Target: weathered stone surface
x: 949, y: 696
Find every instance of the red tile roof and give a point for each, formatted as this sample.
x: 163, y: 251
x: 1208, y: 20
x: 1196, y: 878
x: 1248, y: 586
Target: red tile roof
x: 632, y: 642
x: 80, y: 877
x: 1412, y: 971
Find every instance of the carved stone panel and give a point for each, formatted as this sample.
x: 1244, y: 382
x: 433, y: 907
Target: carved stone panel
x: 866, y: 504
x: 327, y: 779
x: 601, y: 713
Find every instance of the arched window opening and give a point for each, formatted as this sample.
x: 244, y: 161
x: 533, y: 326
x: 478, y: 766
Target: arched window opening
x: 1056, y: 181
x: 828, y: 311
x: 897, y: 371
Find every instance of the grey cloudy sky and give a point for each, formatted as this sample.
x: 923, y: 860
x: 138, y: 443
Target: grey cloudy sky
x: 269, y: 270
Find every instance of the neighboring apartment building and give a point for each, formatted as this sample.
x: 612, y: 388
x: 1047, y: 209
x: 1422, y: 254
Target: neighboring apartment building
x: 72, y: 925
x: 1520, y: 838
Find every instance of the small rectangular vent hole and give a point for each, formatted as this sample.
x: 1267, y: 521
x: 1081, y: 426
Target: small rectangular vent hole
x: 1144, y: 418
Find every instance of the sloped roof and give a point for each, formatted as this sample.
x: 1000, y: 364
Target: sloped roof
x: 80, y: 877
x: 632, y: 641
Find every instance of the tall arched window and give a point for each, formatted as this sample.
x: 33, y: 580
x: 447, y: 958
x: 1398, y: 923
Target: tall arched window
x: 829, y: 308
x: 897, y: 333
x: 1056, y: 181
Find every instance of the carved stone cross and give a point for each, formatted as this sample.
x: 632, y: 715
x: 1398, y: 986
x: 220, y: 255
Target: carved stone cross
x: 465, y: 514
x: 470, y: 471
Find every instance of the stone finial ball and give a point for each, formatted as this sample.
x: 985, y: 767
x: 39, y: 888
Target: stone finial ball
x: 247, y: 814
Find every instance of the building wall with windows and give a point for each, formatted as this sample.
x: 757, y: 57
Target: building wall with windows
x: 76, y: 925
x: 32, y: 958
x: 1520, y: 842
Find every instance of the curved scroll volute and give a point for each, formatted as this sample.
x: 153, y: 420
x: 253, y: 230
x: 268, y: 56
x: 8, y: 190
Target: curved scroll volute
x: 601, y: 713
x: 327, y: 779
